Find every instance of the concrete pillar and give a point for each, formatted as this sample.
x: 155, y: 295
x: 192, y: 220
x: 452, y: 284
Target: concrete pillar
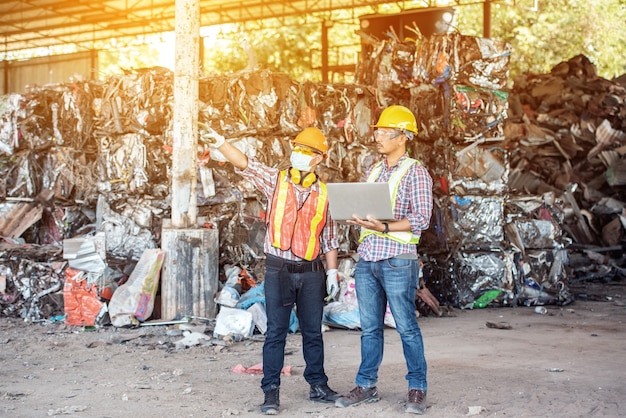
x: 185, y: 118
x: 190, y: 270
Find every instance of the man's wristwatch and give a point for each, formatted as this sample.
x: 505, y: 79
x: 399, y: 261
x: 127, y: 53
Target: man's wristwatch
x: 386, y: 230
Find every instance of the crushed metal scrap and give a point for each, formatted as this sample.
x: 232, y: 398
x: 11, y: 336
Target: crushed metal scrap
x: 529, y: 181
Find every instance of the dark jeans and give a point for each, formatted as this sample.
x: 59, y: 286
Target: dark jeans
x: 307, y: 290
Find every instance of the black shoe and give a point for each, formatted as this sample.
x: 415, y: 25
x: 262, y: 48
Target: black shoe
x: 270, y: 406
x: 322, y: 393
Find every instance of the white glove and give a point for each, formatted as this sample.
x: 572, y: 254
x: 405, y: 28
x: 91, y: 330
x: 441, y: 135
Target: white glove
x: 332, y: 286
x: 210, y: 136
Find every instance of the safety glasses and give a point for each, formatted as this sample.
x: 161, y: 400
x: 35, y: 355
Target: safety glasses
x: 387, y: 135
x: 305, y: 150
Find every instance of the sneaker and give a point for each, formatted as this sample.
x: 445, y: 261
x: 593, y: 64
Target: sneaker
x: 417, y: 402
x: 270, y: 406
x: 357, y: 396
x: 322, y: 393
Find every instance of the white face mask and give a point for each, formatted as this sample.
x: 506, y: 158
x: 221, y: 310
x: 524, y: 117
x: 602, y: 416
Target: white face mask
x: 301, y: 161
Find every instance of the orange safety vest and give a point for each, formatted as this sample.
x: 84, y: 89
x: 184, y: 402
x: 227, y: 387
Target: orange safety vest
x: 296, y: 229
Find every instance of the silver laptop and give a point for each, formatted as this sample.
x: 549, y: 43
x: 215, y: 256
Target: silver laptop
x: 360, y: 199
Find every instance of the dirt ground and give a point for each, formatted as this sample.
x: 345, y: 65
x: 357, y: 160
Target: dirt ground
x: 569, y: 362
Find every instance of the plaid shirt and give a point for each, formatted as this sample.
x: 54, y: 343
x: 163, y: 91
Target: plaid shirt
x: 413, y: 201
x: 265, y: 178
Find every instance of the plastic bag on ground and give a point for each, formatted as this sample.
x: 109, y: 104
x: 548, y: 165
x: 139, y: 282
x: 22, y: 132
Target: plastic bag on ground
x: 343, y: 315
x: 228, y: 296
x: 232, y: 321
x: 82, y: 305
x: 259, y: 316
x: 134, y: 300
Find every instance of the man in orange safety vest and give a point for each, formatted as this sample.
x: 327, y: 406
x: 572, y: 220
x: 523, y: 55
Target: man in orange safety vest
x: 299, y: 231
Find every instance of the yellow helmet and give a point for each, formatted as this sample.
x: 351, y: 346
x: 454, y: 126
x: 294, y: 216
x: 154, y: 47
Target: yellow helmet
x: 312, y: 138
x: 397, y: 117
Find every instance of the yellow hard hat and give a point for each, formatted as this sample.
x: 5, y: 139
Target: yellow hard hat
x: 397, y: 117
x: 312, y: 138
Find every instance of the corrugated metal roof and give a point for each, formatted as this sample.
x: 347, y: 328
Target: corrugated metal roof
x: 27, y: 24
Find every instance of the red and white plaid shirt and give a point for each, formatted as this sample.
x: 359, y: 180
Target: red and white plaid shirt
x: 264, y: 179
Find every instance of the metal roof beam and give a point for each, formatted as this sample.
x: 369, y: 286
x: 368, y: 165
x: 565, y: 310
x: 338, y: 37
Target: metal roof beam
x: 27, y: 24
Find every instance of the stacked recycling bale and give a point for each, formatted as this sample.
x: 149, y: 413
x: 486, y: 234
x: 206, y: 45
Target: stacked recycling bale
x: 466, y: 74
x: 456, y: 86
x: 465, y: 77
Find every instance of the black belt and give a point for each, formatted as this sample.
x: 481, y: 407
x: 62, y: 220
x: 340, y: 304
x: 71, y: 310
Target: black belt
x: 294, y: 266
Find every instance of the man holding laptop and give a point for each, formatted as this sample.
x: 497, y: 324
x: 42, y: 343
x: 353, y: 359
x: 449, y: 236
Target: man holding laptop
x: 299, y: 231
x: 388, y: 267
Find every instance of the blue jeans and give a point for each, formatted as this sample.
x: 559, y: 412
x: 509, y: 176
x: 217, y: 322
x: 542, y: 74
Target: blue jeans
x: 395, y: 281
x: 307, y: 291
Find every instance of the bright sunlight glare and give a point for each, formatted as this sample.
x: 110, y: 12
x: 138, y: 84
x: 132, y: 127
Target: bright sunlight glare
x: 166, y: 42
